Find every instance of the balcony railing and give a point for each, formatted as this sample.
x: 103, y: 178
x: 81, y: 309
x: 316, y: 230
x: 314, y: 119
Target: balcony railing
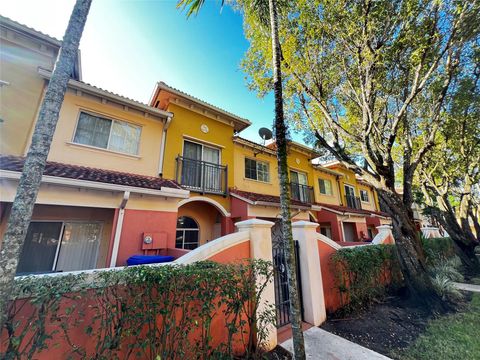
x: 353, y: 202
x: 302, y: 193
x: 202, y: 176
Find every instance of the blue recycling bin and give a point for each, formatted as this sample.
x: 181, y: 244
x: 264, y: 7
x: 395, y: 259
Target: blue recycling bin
x: 148, y: 259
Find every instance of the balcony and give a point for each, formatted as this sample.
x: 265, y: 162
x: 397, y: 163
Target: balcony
x: 353, y: 202
x: 202, y: 176
x: 302, y: 193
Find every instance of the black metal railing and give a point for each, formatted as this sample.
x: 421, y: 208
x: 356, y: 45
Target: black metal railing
x: 282, y: 295
x: 202, y: 176
x: 302, y: 193
x: 353, y: 202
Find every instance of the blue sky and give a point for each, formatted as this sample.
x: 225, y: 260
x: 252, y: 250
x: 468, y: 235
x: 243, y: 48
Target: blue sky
x: 128, y: 45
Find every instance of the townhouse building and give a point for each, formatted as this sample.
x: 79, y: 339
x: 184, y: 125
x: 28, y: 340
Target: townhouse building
x: 126, y: 178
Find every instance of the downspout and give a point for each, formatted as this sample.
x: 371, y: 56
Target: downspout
x: 339, y: 190
x: 163, y: 144
x: 118, y: 228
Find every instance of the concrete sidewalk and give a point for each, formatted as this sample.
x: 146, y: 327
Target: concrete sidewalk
x: 320, y: 344
x: 467, y: 287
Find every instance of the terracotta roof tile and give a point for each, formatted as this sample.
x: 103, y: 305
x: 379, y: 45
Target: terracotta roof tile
x: 345, y: 209
x: 263, y: 197
x: 15, y: 163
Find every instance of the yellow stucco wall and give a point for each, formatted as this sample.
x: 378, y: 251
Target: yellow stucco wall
x: 186, y: 125
x: 20, y: 58
x: 350, y: 179
x: 242, y: 183
x: 298, y: 161
x: 64, y: 150
x: 333, y: 199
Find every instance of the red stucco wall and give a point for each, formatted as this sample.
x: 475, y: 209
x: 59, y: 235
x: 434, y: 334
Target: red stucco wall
x: 324, y: 216
x: 136, y: 222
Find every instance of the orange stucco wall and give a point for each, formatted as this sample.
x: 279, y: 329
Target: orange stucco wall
x: 136, y: 222
x: 233, y: 254
x: 331, y: 294
x: 59, y: 348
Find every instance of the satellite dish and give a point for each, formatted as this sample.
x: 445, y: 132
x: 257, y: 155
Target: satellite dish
x: 265, y: 134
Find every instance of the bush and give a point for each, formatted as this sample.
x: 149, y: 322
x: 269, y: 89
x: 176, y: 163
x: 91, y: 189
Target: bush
x: 363, y: 274
x: 438, y: 247
x: 147, y: 312
x: 443, y: 272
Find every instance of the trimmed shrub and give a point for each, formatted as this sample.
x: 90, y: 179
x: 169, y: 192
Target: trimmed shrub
x: 201, y: 311
x: 364, y: 274
x: 438, y: 247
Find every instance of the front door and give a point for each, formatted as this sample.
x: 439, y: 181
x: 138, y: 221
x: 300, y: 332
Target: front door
x: 349, y: 231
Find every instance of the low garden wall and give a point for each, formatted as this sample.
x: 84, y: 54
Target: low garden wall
x: 173, y: 312
x: 189, y: 309
x: 353, y: 276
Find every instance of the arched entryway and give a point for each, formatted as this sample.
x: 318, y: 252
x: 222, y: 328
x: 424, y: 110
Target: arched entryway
x: 204, y: 221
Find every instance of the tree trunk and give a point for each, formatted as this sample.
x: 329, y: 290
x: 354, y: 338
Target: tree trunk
x: 465, y: 243
x: 29, y: 184
x: 410, y: 252
x: 281, y: 142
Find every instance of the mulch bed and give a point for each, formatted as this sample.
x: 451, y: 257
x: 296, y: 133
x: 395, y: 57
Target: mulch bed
x: 386, y: 327
x: 278, y: 353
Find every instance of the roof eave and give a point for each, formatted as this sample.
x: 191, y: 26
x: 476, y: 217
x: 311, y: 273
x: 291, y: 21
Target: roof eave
x: 241, y: 122
x: 113, y: 97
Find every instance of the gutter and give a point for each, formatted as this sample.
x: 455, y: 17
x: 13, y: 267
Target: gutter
x: 118, y: 228
x: 47, y: 179
x: 163, y: 144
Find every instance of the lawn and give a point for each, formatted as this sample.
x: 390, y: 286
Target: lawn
x: 454, y: 336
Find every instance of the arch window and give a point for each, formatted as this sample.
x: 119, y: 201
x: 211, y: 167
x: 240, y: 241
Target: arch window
x: 187, y: 233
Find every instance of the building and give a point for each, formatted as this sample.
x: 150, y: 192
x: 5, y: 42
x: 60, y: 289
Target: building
x: 127, y: 178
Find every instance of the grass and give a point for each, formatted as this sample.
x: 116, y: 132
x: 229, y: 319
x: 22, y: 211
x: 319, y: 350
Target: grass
x: 455, y: 336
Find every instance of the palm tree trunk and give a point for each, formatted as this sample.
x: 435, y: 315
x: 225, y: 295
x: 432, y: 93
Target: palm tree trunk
x: 281, y: 142
x: 28, y: 187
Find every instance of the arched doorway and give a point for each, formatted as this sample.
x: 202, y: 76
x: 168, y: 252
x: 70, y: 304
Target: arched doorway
x: 206, y: 217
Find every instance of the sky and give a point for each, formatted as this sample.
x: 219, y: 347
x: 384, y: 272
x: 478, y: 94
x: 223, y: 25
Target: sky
x: 129, y: 45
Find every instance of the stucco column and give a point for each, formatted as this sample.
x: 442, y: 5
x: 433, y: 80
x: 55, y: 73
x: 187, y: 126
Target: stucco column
x: 384, y: 232
x: 261, y: 248
x: 311, y: 274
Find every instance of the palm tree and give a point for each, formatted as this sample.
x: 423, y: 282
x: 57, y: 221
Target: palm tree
x: 267, y: 12
x: 28, y: 187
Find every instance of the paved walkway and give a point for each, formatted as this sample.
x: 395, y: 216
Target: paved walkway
x: 320, y: 344
x: 467, y: 287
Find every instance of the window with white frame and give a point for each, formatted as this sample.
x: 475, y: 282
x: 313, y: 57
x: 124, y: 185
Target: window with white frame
x: 101, y: 132
x: 257, y: 170
x: 187, y: 233
x: 325, y: 187
x: 364, y: 195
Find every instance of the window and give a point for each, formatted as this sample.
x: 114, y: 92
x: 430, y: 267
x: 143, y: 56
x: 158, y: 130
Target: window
x: 187, y: 233
x: 201, y: 167
x: 108, y: 134
x: 364, y: 195
x: 60, y: 246
x: 257, y: 170
x: 325, y: 187
x: 326, y: 230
